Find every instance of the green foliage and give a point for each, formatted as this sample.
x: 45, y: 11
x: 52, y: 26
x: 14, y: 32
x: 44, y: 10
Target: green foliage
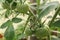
x: 6, y: 5
x: 14, y: 4
x: 6, y: 24
x: 9, y: 1
x: 7, y: 13
x: 20, y: 36
x: 36, y: 13
x: 9, y: 33
x: 28, y: 32
x: 22, y: 8
x: 48, y: 8
x: 42, y: 32
x: 56, y: 23
x: 54, y: 38
x: 16, y: 20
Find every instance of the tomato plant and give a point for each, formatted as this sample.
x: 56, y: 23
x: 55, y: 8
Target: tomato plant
x: 33, y: 25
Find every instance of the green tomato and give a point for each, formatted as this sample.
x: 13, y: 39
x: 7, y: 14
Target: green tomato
x: 22, y: 8
x: 14, y: 5
x: 9, y: 1
x: 42, y: 32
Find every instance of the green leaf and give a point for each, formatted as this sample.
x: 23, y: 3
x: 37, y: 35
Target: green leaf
x: 22, y: 8
x: 56, y: 23
x: 16, y: 20
x: 28, y: 32
x: 38, y: 2
x: 47, y: 8
x: 54, y: 38
x: 20, y: 28
x: 9, y: 33
x: 2, y: 1
x: 4, y: 25
x: 9, y: 1
x: 6, y: 5
x: 13, y: 6
x: 41, y: 32
x: 21, y: 1
x: 20, y: 36
x: 7, y: 13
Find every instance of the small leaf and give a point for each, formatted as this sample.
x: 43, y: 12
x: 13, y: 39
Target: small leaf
x: 22, y: 8
x: 9, y: 33
x: 16, y: 20
x: 6, y: 5
x: 54, y: 38
x: 20, y: 36
x: 47, y: 8
x: 28, y: 32
x: 4, y: 25
x: 21, y: 1
x: 14, y: 5
x: 7, y: 13
x: 20, y: 28
x: 56, y: 23
x: 41, y: 32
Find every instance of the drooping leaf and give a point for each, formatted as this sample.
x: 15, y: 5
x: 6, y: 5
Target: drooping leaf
x: 56, y: 23
x: 4, y: 25
x: 47, y: 8
x: 16, y: 20
x: 9, y: 33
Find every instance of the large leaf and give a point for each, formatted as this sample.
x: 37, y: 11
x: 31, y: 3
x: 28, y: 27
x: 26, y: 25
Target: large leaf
x: 56, y: 23
x: 9, y: 33
x: 16, y: 20
x: 47, y: 8
x: 4, y: 25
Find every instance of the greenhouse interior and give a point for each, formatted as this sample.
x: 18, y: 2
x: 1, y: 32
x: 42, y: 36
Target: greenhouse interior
x: 29, y: 19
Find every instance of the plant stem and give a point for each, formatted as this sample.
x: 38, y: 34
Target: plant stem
x: 55, y: 15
